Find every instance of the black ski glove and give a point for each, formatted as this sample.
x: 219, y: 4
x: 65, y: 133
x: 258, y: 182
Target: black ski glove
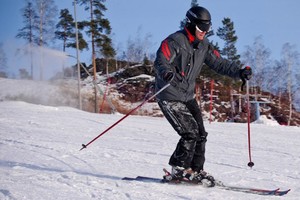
x: 246, y: 73
x: 168, y: 76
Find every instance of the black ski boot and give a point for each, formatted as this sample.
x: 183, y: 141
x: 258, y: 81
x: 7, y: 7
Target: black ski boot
x: 204, y: 178
x: 179, y: 174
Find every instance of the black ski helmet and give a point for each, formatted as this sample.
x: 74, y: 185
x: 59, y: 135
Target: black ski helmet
x: 200, y: 17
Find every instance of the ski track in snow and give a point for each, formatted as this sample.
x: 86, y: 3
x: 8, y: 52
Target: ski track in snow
x: 40, y: 157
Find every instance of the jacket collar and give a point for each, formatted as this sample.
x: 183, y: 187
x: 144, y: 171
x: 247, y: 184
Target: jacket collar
x: 190, y: 37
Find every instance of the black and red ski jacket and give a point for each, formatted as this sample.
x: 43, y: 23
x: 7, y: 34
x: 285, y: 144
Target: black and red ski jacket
x: 184, y: 55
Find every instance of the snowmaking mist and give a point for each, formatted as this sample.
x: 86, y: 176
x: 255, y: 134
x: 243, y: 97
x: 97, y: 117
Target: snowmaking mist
x: 42, y: 62
x: 51, y: 93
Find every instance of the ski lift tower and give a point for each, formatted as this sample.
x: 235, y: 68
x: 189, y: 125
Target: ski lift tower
x: 256, y: 102
x: 257, y: 107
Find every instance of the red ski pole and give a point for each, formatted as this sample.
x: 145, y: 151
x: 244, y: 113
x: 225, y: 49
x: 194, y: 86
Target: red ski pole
x: 211, y: 99
x: 250, y: 163
x: 140, y: 105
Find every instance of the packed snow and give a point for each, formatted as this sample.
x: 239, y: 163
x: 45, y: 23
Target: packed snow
x: 40, y: 157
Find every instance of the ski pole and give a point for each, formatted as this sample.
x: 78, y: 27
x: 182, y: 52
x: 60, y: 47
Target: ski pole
x: 250, y: 163
x: 211, y: 99
x: 140, y: 105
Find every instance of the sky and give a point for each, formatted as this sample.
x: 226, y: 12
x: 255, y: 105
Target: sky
x: 275, y: 20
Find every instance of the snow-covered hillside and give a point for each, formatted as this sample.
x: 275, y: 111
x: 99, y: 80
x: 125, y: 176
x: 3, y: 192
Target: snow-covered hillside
x: 40, y: 157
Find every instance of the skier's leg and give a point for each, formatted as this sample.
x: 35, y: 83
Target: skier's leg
x: 199, y: 155
x: 184, y: 123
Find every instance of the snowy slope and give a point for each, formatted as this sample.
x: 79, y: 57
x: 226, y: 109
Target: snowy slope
x: 40, y: 157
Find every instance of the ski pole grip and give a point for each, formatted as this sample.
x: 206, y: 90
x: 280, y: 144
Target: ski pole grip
x: 243, y: 84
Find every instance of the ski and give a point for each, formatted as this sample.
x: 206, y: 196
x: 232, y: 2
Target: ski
x: 275, y: 192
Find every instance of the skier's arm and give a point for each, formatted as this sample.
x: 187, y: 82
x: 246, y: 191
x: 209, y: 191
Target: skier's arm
x: 221, y: 65
x: 164, y: 57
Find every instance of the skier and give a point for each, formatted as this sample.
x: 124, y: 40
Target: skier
x: 179, y: 60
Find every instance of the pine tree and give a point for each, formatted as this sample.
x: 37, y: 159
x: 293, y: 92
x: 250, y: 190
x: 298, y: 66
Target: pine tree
x: 229, y: 51
x: 67, y: 33
x: 98, y: 28
x: 227, y: 33
x: 30, y: 26
x: 28, y: 32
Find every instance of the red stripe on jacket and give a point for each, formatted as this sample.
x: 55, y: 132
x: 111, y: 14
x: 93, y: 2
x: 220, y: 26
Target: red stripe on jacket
x: 217, y: 53
x: 166, y: 50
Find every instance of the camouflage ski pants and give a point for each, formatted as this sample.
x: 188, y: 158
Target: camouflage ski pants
x: 186, y: 119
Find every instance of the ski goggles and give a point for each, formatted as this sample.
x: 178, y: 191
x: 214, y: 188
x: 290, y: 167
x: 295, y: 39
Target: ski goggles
x: 203, y: 26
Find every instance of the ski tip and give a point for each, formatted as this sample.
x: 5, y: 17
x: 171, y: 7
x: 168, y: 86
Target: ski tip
x: 288, y: 190
x: 166, y: 171
x: 281, y: 193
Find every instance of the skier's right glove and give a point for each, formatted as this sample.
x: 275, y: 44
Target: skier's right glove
x: 245, y: 74
x: 168, y: 76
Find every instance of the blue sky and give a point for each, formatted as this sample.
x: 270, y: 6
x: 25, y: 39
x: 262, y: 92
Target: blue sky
x: 276, y: 21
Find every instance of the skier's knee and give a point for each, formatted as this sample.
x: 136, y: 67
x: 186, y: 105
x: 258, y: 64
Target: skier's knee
x: 192, y: 135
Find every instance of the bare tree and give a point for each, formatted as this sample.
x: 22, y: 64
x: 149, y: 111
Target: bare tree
x: 278, y: 76
x: 46, y: 12
x: 290, y: 59
x: 138, y: 47
x: 297, y: 93
x: 258, y: 57
x: 3, y: 61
